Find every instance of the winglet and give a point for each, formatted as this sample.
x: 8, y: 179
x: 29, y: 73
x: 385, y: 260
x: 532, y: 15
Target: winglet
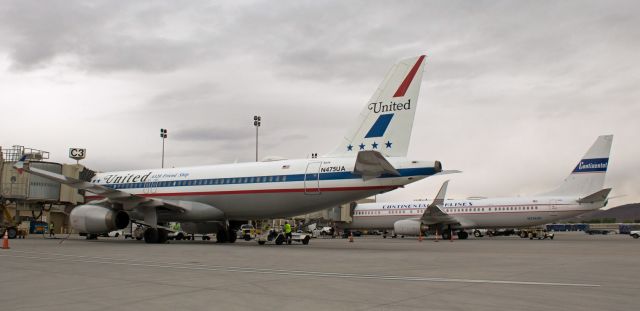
x: 433, y: 214
x: 439, y: 200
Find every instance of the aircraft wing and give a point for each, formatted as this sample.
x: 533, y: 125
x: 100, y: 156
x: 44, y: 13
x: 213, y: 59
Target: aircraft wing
x: 372, y: 164
x: 128, y: 200
x: 433, y: 214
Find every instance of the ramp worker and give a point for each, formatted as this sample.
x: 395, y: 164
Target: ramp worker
x: 287, y: 232
x: 52, y: 227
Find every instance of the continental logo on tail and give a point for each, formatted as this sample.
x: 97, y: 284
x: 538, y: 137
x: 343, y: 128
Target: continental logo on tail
x: 592, y: 165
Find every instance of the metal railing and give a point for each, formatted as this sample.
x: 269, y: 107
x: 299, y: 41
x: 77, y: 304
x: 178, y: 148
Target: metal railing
x: 16, y: 152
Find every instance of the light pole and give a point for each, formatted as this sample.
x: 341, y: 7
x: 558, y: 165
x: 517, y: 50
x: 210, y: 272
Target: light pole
x: 163, y: 135
x: 256, y: 123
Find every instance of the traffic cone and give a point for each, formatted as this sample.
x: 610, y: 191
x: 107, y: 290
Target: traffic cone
x: 5, y: 240
x: 420, y: 237
x: 351, y: 237
x: 437, y: 236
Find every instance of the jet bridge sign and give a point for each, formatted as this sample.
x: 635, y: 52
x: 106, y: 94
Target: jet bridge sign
x: 77, y: 153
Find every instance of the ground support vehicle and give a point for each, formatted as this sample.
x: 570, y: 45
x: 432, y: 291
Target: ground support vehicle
x: 247, y: 232
x: 8, y: 224
x: 635, y: 234
x: 536, y: 233
x: 278, y: 237
x: 597, y: 231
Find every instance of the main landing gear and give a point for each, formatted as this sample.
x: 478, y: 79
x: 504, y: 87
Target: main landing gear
x: 462, y: 235
x: 226, y: 235
x: 155, y: 235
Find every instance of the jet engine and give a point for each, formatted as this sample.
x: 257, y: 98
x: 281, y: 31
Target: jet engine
x: 409, y: 227
x: 97, y: 219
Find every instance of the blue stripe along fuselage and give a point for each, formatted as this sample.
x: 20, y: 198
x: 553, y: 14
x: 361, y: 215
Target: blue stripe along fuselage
x: 408, y: 172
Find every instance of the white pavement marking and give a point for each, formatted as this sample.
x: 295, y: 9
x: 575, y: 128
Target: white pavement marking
x: 187, y: 266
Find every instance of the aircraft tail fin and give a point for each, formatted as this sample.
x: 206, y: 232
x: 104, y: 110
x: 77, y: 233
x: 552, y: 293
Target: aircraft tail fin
x: 588, y: 176
x: 385, y: 123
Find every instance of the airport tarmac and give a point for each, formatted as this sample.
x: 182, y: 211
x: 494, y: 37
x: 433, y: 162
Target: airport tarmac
x: 572, y: 272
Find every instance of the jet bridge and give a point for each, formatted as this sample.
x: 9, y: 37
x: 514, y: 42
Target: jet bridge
x: 27, y: 197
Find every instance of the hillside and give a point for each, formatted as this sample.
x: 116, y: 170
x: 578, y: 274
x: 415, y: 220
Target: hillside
x: 623, y: 213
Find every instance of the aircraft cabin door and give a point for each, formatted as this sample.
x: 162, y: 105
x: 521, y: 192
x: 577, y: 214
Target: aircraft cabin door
x: 555, y: 205
x: 312, y: 178
x: 150, y: 186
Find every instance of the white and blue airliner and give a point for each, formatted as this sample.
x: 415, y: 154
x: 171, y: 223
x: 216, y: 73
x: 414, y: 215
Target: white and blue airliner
x: 370, y: 159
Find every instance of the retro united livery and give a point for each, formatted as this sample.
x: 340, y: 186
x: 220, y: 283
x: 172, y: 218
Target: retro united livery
x: 581, y: 192
x: 370, y: 159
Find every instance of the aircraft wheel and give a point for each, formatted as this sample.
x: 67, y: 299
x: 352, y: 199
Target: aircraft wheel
x: 280, y: 239
x: 446, y: 235
x: 12, y: 233
x: 163, y: 236
x: 231, y: 236
x: 261, y: 242
x: 306, y: 239
x: 151, y: 235
x: 247, y: 237
x: 477, y: 233
x: 221, y: 236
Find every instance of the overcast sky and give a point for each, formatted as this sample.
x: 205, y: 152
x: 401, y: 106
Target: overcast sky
x: 513, y: 94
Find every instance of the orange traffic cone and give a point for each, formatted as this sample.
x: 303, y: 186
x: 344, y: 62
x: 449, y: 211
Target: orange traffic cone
x: 351, y: 237
x: 5, y: 240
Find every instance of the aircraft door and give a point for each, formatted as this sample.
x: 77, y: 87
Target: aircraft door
x: 150, y: 186
x: 555, y: 205
x: 312, y: 178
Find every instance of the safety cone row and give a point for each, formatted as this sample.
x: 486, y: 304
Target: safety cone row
x: 5, y: 240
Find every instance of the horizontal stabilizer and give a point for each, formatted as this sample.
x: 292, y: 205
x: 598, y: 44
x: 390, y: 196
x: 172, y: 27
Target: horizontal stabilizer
x: 447, y: 172
x: 372, y: 164
x: 599, y: 196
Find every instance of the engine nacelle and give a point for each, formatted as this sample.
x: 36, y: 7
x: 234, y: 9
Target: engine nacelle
x: 409, y: 227
x: 97, y: 219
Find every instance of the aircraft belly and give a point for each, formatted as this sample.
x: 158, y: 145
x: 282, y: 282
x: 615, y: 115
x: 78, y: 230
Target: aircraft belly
x: 278, y: 204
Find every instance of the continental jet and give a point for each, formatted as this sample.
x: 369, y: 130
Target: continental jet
x: 370, y: 159
x: 582, y: 191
